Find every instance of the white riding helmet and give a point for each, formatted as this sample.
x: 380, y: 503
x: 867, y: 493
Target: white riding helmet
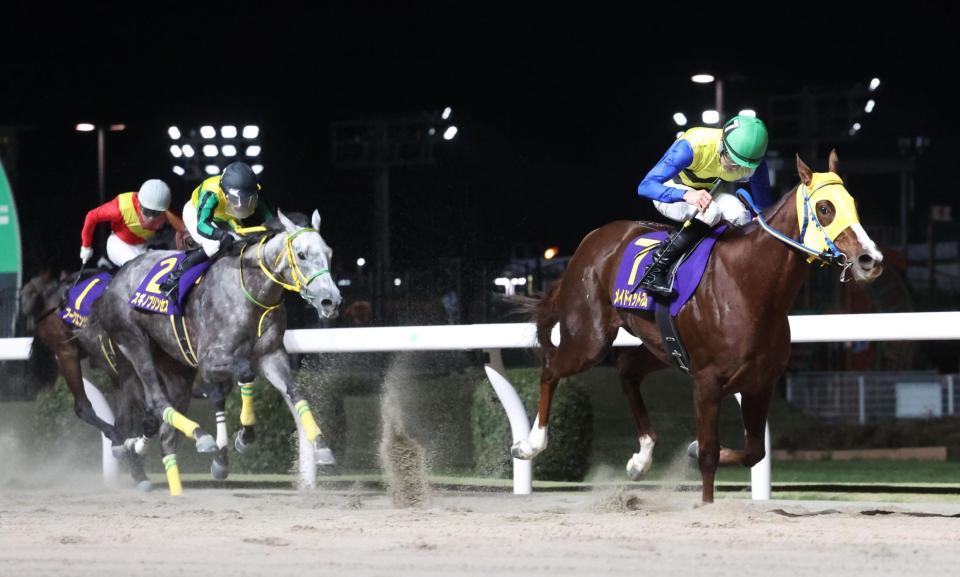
x: 154, y: 195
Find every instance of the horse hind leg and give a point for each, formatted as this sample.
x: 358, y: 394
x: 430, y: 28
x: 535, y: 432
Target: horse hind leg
x: 55, y: 335
x: 579, y: 350
x: 634, y: 365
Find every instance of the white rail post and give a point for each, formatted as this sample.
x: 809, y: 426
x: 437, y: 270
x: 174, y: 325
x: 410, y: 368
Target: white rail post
x: 103, y: 411
x: 519, y: 422
x: 760, y: 473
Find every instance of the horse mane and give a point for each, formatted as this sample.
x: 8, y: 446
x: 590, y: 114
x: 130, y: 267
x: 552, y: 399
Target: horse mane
x: 274, y: 227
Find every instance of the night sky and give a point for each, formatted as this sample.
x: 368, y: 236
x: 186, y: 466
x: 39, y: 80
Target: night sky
x: 560, y: 113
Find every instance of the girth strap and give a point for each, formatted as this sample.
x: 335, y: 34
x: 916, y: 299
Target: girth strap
x: 183, y: 339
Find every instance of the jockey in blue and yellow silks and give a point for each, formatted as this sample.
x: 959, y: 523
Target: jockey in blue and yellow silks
x: 680, y: 187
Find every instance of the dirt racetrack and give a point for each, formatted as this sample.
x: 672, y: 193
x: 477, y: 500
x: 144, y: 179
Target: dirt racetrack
x: 90, y: 530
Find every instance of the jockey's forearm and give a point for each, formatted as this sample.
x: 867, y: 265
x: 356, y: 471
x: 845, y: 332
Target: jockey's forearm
x: 205, y: 212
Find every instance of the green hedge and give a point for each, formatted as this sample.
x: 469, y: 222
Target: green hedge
x: 567, y: 457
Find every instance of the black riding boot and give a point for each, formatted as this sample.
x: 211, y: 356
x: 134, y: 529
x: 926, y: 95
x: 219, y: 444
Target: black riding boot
x: 657, y: 278
x: 171, y: 284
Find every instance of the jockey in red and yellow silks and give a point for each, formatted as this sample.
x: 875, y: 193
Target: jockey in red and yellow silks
x: 134, y: 218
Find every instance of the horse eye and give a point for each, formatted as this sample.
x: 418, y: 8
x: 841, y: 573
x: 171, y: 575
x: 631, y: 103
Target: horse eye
x: 301, y: 255
x: 823, y: 210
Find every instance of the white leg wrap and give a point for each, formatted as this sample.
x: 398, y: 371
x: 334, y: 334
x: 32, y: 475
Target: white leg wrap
x: 533, y: 445
x: 222, y: 438
x: 640, y: 463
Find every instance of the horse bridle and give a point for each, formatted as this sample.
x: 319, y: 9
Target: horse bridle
x: 831, y: 256
x: 300, y: 280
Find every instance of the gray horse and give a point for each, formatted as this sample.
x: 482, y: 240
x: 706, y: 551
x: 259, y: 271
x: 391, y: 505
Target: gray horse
x: 234, y: 322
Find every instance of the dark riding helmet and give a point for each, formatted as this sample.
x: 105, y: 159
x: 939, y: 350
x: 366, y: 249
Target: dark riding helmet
x: 239, y: 185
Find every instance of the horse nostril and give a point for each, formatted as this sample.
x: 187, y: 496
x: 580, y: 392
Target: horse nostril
x: 326, y: 303
x: 865, y: 260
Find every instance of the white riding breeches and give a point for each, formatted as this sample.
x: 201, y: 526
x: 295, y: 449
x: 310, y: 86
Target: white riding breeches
x: 120, y: 252
x: 210, y: 246
x: 725, y: 206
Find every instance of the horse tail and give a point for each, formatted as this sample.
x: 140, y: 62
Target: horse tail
x: 545, y: 316
x: 541, y: 311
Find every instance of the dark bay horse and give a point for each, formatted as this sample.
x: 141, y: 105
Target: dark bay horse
x: 735, y: 326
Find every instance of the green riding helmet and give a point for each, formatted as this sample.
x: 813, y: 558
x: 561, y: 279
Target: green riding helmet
x: 745, y: 140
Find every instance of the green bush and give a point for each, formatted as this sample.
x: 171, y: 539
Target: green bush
x: 567, y: 457
x: 275, y: 450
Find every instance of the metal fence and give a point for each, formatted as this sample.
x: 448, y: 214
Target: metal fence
x: 855, y: 397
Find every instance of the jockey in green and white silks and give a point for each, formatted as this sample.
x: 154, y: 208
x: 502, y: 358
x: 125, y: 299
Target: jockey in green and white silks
x: 215, y: 213
x: 684, y: 187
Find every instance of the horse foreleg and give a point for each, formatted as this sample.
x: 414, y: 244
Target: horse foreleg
x: 753, y: 409
x: 248, y: 418
x: 708, y: 438
x: 633, y: 366
x: 156, y: 401
x: 220, y: 467
x: 168, y: 446
x: 275, y: 366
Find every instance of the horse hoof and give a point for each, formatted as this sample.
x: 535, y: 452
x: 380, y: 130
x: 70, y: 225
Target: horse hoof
x: 145, y: 486
x: 636, y: 470
x: 206, y: 444
x: 522, y: 450
x: 218, y: 470
x: 324, y: 456
x: 693, y: 451
x: 239, y: 445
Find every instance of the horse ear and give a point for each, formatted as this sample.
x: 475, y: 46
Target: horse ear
x: 315, y: 220
x: 834, y: 162
x: 286, y: 222
x: 806, y: 175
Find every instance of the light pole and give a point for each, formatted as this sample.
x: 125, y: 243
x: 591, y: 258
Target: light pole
x: 717, y: 92
x: 101, y: 151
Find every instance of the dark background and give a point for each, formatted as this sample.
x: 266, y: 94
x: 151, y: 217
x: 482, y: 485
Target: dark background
x: 561, y: 112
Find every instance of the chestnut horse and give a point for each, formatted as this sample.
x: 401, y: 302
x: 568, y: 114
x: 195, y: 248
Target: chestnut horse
x: 735, y: 325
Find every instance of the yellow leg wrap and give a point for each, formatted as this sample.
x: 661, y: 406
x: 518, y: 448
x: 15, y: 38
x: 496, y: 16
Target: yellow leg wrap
x: 173, y: 475
x: 179, y: 422
x: 310, y: 427
x: 247, y: 416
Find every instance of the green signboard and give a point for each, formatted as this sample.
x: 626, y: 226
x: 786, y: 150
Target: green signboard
x: 10, y: 263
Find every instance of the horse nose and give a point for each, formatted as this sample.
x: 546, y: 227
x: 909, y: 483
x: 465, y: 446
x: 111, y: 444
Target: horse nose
x: 329, y: 308
x: 866, y: 261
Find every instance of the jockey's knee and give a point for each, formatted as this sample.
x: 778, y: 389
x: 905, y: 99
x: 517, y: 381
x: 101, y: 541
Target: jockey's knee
x: 711, y: 216
x: 732, y: 210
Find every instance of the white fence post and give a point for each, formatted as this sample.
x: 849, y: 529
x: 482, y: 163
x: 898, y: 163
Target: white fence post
x: 760, y: 482
x: 103, y: 411
x: 519, y: 422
